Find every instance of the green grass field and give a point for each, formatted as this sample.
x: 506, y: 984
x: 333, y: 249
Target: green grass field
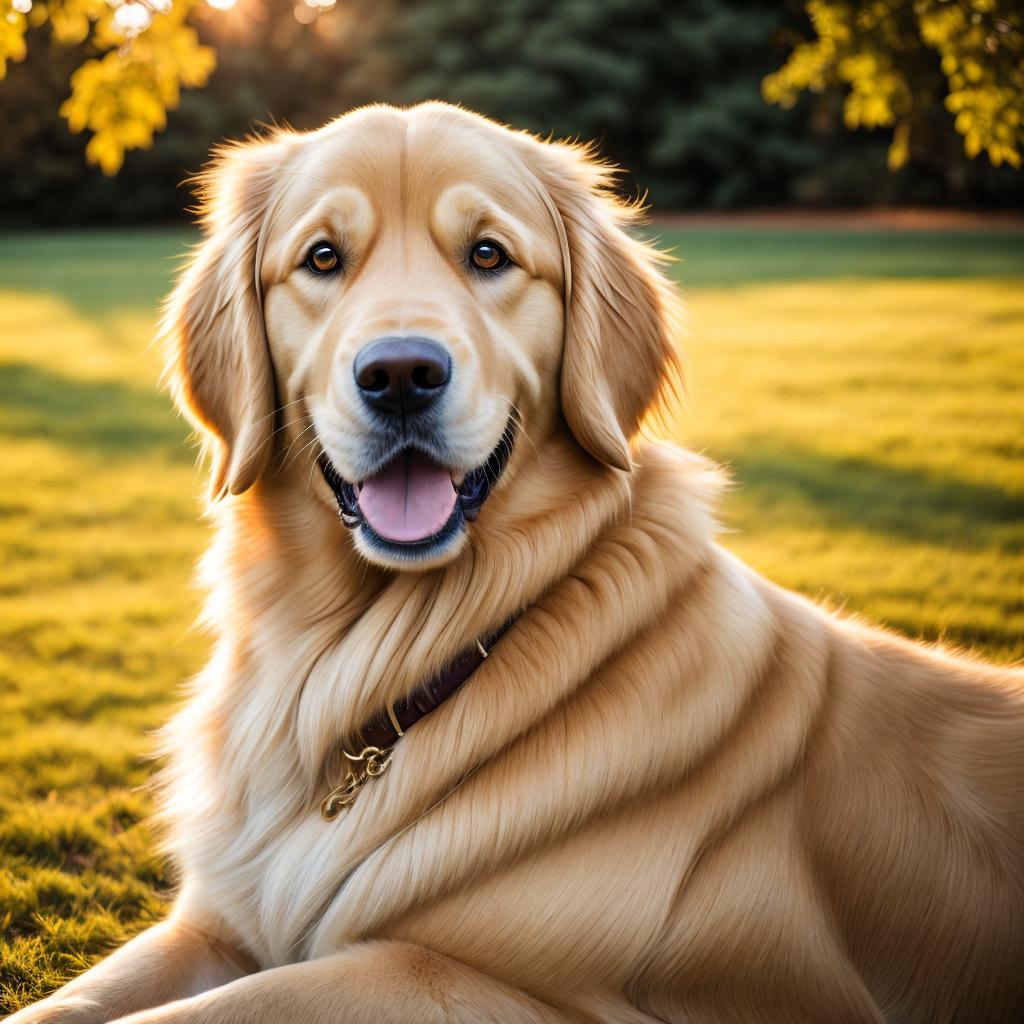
x: 866, y: 389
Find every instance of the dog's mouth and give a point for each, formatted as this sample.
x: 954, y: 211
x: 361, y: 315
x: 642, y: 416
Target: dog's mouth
x: 411, y: 503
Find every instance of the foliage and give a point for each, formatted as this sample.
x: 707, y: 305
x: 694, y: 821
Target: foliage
x: 122, y: 97
x: 875, y: 442
x: 614, y: 69
x: 672, y: 91
x: 898, y: 58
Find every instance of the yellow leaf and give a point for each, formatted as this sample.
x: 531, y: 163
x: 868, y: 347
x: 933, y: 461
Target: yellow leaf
x: 123, y: 97
x: 105, y: 149
x: 899, y: 150
x: 12, y: 38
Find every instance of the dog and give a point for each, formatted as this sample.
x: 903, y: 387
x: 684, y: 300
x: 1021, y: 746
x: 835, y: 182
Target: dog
x: 494, y: 730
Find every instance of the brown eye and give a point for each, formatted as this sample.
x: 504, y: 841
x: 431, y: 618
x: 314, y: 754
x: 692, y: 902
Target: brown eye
x: 488, y: 255
x: 323, y: 258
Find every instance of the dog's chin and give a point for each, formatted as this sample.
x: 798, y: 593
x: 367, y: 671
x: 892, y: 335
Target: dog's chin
x: 408, y: 513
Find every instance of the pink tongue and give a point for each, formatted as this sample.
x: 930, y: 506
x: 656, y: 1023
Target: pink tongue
x: 410, y: 499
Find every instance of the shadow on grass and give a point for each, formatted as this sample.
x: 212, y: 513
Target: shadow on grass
x: 107, y: 417
x: 813, y: 489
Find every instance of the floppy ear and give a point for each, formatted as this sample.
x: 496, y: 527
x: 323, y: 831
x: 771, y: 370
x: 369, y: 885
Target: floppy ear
x: 218, y: 363
x: 621, y: 313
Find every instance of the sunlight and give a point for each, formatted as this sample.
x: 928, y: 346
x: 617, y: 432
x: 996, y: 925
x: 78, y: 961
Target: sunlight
x: 132, y: 18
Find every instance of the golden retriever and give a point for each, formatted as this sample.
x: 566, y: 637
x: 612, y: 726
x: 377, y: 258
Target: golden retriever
x: 671, y: 791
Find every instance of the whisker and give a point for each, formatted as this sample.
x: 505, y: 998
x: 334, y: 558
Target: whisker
x: 294, y: 441
x: 285, y: 426
x: 312, y: 466
x: 366, y: 569
x: 305, y: 447
x: 280, y: 408
x: 520, y: 427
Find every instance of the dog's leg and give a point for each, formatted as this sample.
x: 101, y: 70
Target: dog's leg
x: 367, y: 983
x: 169, y: 961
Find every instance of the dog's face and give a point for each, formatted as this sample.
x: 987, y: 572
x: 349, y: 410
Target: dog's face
x: 400, y: 297
x: 412, y: 303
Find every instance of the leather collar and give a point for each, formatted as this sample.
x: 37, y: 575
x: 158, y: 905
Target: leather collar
x: 385, y: 729
x: 382, y: 732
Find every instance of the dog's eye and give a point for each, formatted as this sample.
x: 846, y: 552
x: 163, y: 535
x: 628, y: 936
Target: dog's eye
x: 323, y: 258
x: 488, y: 255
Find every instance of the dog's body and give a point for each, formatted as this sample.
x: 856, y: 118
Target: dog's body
x: 671, y: 792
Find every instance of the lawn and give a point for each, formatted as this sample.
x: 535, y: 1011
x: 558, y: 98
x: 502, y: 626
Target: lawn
x: 866, y: 389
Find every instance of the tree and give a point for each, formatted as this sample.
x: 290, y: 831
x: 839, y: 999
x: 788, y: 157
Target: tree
x: 660, y: 84
x: 900, y: 58
x: 669, y: 89
x: 148, y: 53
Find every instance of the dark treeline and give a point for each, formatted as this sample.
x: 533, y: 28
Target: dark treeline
x: 670, y: 90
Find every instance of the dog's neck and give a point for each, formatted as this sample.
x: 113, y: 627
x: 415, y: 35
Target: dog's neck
x: 296, y: 599
x: 314, y: 642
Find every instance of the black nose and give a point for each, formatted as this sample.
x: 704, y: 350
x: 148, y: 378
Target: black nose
x: 400, y: 376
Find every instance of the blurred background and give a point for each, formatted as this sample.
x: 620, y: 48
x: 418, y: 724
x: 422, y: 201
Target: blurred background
x: 670, y: 90
x: 839, y: 182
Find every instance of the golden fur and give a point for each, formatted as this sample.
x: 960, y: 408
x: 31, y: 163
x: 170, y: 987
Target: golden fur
x: 674, y: 792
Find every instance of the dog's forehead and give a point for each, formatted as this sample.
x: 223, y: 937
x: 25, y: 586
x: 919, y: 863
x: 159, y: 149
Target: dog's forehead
x: 404, y: 161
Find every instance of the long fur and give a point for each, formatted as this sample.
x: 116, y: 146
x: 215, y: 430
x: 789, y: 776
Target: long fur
x: 673, y: 791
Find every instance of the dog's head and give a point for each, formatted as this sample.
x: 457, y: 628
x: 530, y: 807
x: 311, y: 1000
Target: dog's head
x: 400, y: 297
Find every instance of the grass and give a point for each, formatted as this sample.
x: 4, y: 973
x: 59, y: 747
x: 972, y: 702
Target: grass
x: 866, y: 390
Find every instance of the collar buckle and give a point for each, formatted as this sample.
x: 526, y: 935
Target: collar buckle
x: 369, y: 763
